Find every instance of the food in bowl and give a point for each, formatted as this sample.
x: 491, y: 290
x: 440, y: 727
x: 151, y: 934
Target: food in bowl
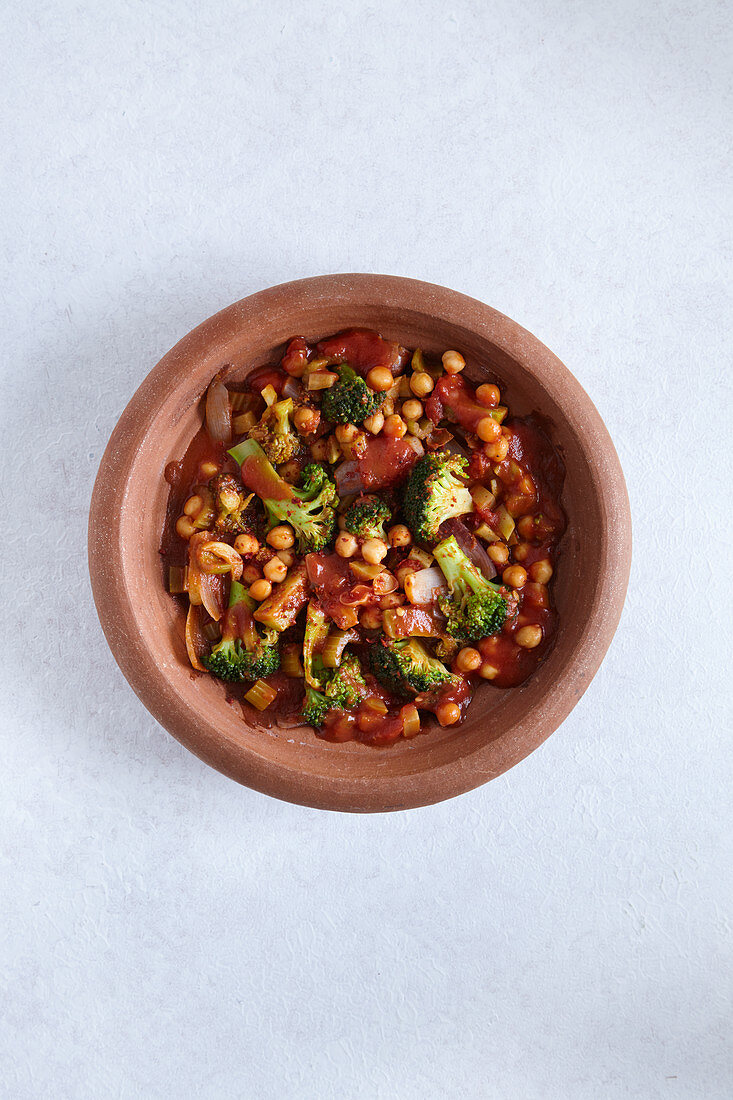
x: 363, y: 538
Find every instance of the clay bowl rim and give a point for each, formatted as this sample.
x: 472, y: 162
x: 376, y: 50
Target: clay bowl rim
x: 119, y: 612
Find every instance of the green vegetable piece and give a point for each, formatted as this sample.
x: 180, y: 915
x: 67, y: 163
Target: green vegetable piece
x: 366, y: 518
x: 242, y: 653
x: 311, y: 512
x: 350, y: 400
x: 347, y: 684
x: 406, y: 667
x: 434, y: 493
x: 474, y: 607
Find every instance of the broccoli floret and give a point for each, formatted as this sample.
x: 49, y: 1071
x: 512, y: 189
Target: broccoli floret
x: 316, y: 632
x: 310, y: 511
x: 232, y: 506
x: 434, y: 494
x: 274, y: 432
x: 226, y: 660
x: 347, y: 684
x: 242, y: 654
x: 474, y: 607
x: 366, y: 518
x: 315, y: 707
x: 405, y: 665
x: 350, y: 400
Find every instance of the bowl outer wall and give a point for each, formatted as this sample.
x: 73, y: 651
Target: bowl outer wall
x: 139, y: 618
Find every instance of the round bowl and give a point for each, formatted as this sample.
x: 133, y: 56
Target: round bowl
x: 144, y: 626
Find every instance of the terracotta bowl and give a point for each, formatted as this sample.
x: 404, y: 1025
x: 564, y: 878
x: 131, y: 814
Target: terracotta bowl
x: 144, y: 626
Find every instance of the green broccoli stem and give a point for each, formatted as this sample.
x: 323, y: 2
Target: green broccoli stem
x: 458, y: 569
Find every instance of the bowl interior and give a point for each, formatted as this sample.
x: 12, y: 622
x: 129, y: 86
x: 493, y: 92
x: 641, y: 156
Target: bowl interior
x: 145, y: 626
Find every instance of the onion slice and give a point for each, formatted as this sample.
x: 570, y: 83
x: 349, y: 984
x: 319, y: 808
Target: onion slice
x: 218, y: 413
x: 292, y: 388
x: 424, y: 586
x: 470, y: 546
x: 348, y: 478
x: 212, y: 594
x: 196, y: 644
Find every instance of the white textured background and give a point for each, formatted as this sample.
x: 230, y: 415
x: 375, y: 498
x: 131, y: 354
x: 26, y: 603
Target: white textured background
x: 563, y: 932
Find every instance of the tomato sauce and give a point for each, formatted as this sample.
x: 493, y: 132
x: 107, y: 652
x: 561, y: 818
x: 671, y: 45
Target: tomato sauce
x: 385, y: 462
x: 336, y: 589
x: 362, y: 349
x: 454, y: 399
x: 183, y: 477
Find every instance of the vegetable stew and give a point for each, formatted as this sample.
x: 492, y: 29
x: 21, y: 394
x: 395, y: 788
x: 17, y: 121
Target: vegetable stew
x: 361, y: 536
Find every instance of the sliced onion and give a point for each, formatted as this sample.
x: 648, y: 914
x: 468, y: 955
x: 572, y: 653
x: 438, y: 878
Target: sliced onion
x: 212, y: 594
x: 292, y: 388
x: 218, y: 413
x: 470, y: 546
x: 359, y: 594
x: 348, y: 479
x: 219, y: 558
x: 196, y: 644
x: 416, y: 445
x: 384, y: 583
x: 424, y: 586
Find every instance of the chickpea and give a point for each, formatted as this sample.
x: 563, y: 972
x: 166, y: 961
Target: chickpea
x: 373, y: 551
x: 193, y: 506
x: 395, y: 427
x: 499, y: 553
x: 453, y: 362
x: 346, y: 433
x: 184, y: 527
x: 448, y: 714
x: 380, y: 379
x: 251, y: 573
x: 281, y: 537
x: 387, y: 406
x: 488, y: 671
x: 520, y: 551
x: 468, y: 659
x: 209, y: 469
x: 399, y: 535
x: 541, y: 571
x: 421, y: 384
x: 371, y: 618
x: 488, y: 395
x: 392, y: 599
x: 412, y: 410
x: 246, y: 545
x: 488, y: 430
x: 319, y: 450
x: 515, y: 576
x: 529, y: 637
x: 306, y: 420
x: 537, y: 594
x: 526, y: 527
x: 375, y: 422
x: 275, y: 570
x: 402, y: 571
x: 346, y: 545
x: 499, y: 450
x: 290, y: 471
x: 287, y: 557
x: 260, y: 590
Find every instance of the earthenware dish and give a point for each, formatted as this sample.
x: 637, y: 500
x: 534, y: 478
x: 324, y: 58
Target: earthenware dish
x: 144, y: 625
